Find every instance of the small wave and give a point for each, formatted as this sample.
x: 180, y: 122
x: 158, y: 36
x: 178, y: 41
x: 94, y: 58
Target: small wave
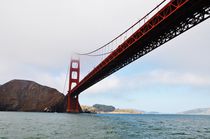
x: 3, y: 138
x: 179, y: 133
x: 199, y: 131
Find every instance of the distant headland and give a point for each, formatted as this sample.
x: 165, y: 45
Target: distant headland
x: 100, y: 108
x: 198, y: 111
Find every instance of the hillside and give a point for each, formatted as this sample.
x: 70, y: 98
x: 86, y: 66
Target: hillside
x: 99, y: 108
x: 103, y: 108
x: 22, y: 95
x: 199, y: 111
x: 126, y: 111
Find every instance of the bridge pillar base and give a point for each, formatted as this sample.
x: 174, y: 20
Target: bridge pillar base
x: 73, y: 105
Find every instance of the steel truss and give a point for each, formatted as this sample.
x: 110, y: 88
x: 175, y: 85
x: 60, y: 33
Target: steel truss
x: 174, y: 19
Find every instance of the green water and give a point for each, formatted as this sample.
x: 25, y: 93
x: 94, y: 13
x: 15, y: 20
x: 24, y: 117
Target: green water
x: 21, y: 125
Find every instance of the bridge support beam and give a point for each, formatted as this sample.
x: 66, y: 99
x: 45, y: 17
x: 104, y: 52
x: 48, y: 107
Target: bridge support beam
x: 73, y: 105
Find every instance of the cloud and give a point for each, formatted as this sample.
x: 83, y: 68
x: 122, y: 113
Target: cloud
x: 165, y: 78
x: 119, y: 84
x: 106, y: 85
x: 54, y: 81
x: 176, y: 78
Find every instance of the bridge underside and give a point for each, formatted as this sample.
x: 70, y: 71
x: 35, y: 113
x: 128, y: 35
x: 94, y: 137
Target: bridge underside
x: 175, y: 18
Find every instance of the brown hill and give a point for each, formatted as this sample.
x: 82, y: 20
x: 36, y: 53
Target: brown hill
x: 22, y: 95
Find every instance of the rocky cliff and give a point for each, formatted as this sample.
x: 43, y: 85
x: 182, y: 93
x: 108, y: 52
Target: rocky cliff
x: 22, y: 95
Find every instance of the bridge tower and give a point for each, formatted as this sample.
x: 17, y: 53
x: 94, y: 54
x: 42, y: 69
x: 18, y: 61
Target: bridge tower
x: 73, y: 100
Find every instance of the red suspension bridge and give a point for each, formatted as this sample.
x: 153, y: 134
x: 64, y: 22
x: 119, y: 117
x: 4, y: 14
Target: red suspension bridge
x: 166, y: 21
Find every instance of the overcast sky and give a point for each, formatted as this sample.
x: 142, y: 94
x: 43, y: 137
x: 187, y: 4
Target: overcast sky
x: 37, y: 38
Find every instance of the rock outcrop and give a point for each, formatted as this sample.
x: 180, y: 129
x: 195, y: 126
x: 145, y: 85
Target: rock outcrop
x: 88, y: 109
x: 22, y: 95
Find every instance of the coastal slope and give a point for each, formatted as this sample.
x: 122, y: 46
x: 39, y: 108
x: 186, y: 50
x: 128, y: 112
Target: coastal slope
x: 199, y: 111
x: 23, y: 95
x: 100, y: 108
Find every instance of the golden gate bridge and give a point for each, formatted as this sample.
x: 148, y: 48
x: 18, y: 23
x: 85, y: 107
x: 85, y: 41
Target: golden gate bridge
x: 166, y: 21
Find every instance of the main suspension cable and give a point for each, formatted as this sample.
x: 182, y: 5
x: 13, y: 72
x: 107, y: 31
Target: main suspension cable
x: 143, y: 18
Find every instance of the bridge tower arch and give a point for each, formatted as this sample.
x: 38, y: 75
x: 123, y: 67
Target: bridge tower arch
x: 73, y: 105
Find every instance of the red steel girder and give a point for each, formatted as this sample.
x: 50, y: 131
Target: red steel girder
x: 172, y: 20
x: 74, y: 74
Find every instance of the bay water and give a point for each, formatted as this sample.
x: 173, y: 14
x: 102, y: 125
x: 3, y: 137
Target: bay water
x: 27, y: 125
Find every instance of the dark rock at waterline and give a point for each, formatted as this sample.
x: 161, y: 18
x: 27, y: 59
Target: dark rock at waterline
x: 22, y: 95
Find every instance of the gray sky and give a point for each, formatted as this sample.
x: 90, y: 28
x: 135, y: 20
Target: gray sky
x: 37, y: 38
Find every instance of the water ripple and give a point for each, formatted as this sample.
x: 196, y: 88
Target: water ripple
x: 101, y: 126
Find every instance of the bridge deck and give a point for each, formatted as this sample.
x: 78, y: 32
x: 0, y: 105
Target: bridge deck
x: 173, y: 19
